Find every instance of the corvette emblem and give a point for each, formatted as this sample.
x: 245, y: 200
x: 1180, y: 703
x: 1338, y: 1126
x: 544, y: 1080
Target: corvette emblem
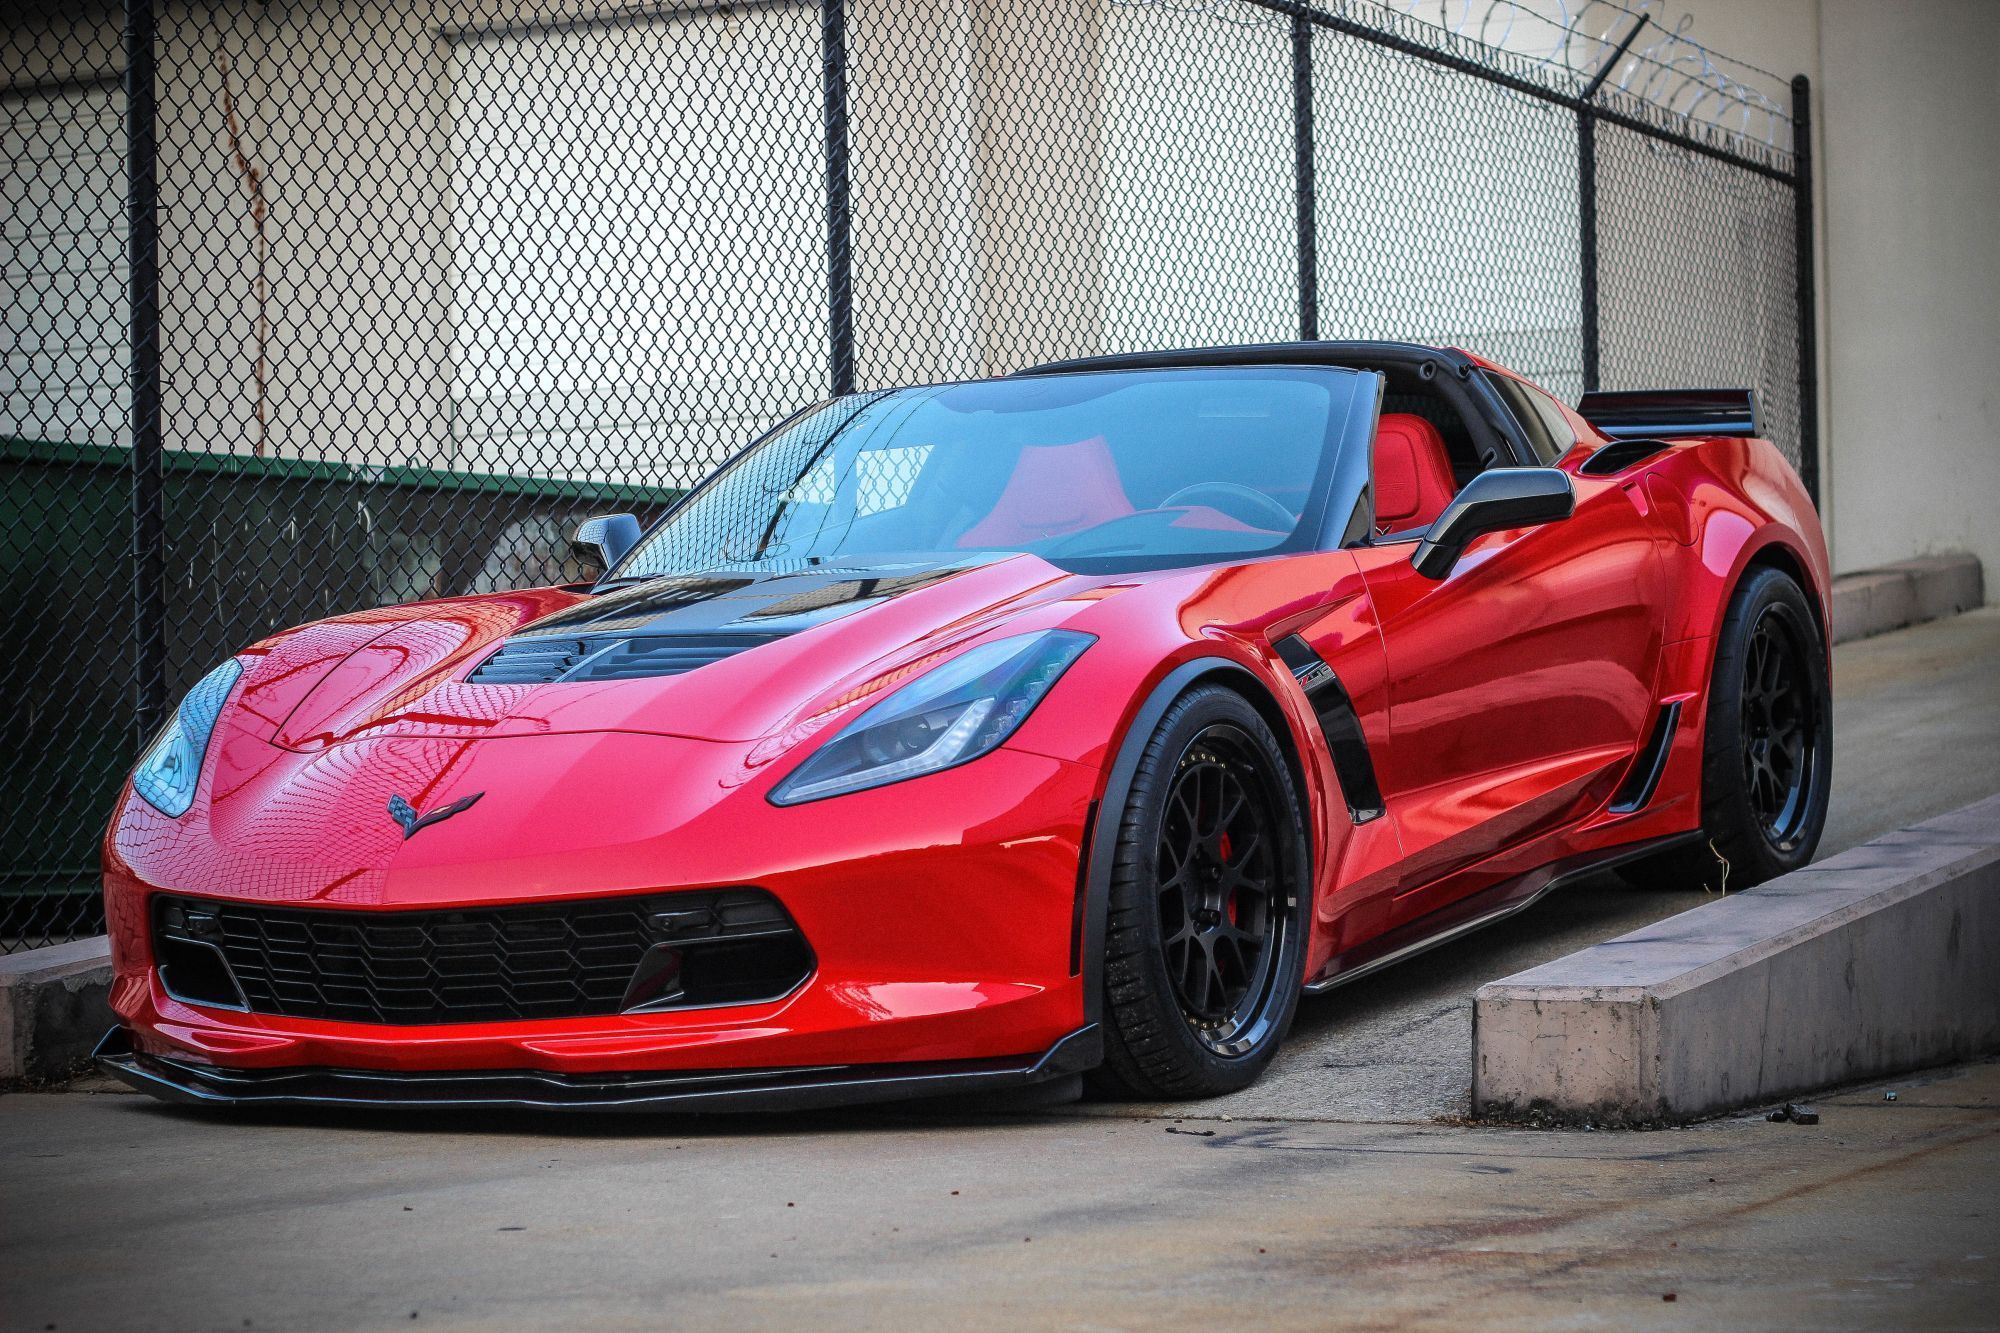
x: 406, y: 814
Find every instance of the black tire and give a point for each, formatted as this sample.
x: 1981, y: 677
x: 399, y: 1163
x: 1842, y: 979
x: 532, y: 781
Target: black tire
x: 1210, y: 895
x: 1767, y: 753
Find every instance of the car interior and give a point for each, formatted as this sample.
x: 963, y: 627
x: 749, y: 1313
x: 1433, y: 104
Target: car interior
x: 1225, y: 466
x: 1429, y: 441
x: 1174, y: 467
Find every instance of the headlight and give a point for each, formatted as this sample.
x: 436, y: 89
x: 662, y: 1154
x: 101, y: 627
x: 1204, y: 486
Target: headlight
x: 166, y: 776
x: 949, y: 715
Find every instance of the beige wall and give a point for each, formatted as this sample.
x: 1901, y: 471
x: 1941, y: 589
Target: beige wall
x: 1907, y: 118
x: 1912, y: 131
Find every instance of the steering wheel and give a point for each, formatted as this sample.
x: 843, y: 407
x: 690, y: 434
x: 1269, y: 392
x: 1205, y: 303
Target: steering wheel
x: 1246, y: 504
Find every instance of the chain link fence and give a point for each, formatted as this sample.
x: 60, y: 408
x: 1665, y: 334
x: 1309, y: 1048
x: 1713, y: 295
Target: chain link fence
x: 312, y: 306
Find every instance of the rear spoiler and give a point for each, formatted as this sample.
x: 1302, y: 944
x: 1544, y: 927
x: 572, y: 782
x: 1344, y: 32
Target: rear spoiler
x: 1654, y: 412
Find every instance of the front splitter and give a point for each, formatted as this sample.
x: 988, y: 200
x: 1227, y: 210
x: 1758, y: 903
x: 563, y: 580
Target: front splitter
x: 716, y: 1090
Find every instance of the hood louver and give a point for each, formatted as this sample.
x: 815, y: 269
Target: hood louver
x: 568, y: 659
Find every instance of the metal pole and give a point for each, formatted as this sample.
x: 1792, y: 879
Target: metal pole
x: 1586, y: 225
x: 1808, y: 296
x: 839, y: 218
x: 1586, y: 204
x: 149, y: 529
x: 1302, y: 150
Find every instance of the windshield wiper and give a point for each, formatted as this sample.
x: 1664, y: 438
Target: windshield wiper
x: 606, y: 585
x: 1121, y: 548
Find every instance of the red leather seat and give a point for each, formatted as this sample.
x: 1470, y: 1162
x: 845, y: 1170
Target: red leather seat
x: 1413, y: 481
x: 1055, y: 488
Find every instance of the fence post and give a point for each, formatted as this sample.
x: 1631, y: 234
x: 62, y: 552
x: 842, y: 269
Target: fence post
x: 839, y: 251
x: 1586, y: 201
x: 1302, y: 152
x: 1586, y: 221
x: 1802, y: 189
x: 142, y: 199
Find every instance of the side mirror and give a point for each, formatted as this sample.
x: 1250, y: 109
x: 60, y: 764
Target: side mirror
x: 1507, y: 497
x: 606, y: 538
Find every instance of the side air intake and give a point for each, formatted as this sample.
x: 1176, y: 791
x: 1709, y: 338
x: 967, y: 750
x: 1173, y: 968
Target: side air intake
x: 1643, y: 778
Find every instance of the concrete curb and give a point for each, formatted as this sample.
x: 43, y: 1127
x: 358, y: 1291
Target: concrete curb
x: 1879, y: 960
x: 54, y: 1005
x: 1876, y: 601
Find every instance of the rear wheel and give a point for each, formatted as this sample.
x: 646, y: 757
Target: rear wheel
x: 1205, y: 946
x: 1767, y: 755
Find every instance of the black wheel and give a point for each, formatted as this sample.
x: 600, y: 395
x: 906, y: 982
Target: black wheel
x: 1767, y: 758
x: 1205, y: 945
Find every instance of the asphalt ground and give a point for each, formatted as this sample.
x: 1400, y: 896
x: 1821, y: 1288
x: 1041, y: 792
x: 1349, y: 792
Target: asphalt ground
x: 116, y: 1213
x: 1331, y: 1193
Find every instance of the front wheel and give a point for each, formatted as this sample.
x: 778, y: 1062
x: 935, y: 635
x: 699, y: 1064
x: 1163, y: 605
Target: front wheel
x: 1205, y: 945
x: 1767, y: 756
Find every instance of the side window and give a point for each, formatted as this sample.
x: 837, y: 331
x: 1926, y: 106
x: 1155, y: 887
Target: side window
x: 1540, y: 416
x: 1553, y: 416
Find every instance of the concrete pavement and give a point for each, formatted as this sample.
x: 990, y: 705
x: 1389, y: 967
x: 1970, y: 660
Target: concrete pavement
x: 116, y: 1212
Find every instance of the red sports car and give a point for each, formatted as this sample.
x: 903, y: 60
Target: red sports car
x: 978, y: 735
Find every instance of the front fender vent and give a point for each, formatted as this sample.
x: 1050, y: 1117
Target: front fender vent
x: 572, y: 659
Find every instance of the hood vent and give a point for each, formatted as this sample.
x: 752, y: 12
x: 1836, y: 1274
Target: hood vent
x: 531, y: 661
x: 540, y: 661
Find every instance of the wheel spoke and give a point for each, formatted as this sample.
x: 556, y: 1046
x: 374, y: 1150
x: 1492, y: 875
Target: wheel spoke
x: 1231, y: 969
x: 1205, y: 976
x: 1223, y: 929
x: 1239, y: 801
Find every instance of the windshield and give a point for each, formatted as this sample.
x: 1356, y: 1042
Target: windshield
x: 1120, y: 470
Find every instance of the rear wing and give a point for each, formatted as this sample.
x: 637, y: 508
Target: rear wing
x: 1669, y: 412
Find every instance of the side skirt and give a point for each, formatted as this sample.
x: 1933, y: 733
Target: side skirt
x: 1480, y: 909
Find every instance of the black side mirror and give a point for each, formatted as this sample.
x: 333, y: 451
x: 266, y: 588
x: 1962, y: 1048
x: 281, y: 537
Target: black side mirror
x: 1506, y: 497
x: 606, y: 538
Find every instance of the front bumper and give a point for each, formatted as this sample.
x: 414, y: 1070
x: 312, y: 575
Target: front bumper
x: 942, y: 929
x: 717, y: 1090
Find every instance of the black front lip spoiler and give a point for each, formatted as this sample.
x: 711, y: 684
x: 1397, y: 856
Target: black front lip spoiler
x: 719, y: 1090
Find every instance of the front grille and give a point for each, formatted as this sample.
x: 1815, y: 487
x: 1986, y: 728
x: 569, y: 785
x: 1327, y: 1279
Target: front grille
x: 538, y: 661
x: 548, y: 960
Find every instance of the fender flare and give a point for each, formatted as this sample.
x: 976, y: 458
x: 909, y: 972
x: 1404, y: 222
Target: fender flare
x: 1095, y: 898
x: 1760, y: 546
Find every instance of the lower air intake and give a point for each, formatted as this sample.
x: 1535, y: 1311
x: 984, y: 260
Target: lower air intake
x: 549, y: 960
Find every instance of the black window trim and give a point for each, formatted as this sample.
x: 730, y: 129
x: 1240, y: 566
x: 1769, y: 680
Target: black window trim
x: 1501, y: 386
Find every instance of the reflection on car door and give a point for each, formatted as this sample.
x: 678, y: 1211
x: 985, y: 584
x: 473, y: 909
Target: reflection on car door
x: 1519, y: 684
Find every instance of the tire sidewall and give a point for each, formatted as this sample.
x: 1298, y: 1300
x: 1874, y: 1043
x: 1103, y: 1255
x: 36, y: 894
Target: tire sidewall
x: 1728, y: 816
x: 1133, y: 888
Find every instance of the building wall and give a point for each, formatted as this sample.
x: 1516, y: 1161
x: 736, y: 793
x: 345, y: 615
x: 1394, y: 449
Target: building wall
x: 1906, y: 119
x: 1912, y: 117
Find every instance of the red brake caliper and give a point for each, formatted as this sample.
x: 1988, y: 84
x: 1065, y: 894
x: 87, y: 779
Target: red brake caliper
x: 1235, y: 912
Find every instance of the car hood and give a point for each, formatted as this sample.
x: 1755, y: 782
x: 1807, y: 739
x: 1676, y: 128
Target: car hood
x: 726, y: 656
